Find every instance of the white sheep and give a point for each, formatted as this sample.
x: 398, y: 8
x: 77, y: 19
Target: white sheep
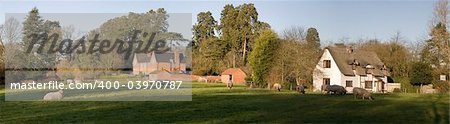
x: 277, y: 86
x: 202, y: 79
x: 57, y: 95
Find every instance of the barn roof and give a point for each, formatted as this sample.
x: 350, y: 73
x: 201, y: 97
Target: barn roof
x: 344, y: 61
x: 166, y: 57
x: 142, y: 57
x: 160, y: 57
x: 232, y: 71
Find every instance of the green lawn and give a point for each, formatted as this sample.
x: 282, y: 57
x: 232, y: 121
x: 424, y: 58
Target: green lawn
x: 213, y: 103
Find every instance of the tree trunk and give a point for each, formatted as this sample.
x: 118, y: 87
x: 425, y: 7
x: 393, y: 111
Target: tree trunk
x: 234, y: 60
x: 244, y: 51
x: 421, y: 88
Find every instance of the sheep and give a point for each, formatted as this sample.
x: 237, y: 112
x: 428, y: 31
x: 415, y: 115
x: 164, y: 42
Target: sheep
x: 363, y: 93
x: 202, y: 79
x: 336, y: 89
x: 300, y: 88
x: 57, y: 95
x: 277, y: 86
x: 230, y: 85
x: 326, y: 88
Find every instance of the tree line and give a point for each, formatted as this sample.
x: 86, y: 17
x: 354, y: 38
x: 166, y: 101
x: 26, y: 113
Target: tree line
x: 240, y: 40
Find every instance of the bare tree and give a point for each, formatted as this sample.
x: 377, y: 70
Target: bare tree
x: 68, y: 32
x: 11, y: 31
x: 440, y: 14
x: 296, y: 33
x: 1, y: 32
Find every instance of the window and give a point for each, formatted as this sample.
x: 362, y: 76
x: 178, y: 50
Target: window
x: 348, y: 83
x: 326, y: 81
x: 368, y: 84
x: 326, y: 63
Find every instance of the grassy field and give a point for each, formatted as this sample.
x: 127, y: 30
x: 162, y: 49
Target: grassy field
x: 213, y: 103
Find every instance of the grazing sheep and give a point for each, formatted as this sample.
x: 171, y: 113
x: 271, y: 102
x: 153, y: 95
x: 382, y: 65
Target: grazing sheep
x: 230, y: 85
x: 336, y: 89
x: 202, y: 79
x: 57, y: 95
x: 301, y: 89
x: 363, y: 93
x: 326, y: 88
x: 277, y: 86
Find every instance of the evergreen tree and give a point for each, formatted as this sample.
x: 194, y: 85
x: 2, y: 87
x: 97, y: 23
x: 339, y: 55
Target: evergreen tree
x: 313, y: 40
x: 31, y: 25
x: 421, y: 73
x: 262, y: 56
x: 204, y: 28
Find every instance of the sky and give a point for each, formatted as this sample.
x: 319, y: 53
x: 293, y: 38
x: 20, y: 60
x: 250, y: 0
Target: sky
x: 335, y: 20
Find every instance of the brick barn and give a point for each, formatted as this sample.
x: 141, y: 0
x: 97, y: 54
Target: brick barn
x: 145, y: 63
x: 236, y: 75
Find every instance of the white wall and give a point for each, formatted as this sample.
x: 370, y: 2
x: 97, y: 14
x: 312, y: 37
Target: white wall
x: 333, y: 72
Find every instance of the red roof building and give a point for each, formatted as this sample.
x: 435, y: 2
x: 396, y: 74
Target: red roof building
x: 235, y: 75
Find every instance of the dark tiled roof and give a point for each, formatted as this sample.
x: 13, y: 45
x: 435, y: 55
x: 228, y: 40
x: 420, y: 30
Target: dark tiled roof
x: 166, y: 57
x: 160, y: 57
x: 344, y: 61
x: 142, y: 57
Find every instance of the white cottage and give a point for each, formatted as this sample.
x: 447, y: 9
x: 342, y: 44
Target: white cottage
x: 341, y: 65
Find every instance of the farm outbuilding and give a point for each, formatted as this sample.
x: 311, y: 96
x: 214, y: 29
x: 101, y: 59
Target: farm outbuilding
x: 236, y: 75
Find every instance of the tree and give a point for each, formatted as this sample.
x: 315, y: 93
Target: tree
x: 204, y: 28
x: 2, y: 57
x: 239, y: 26
x: 295, y: 59
x: 31, y: 26
x: 134, y: 27
x: 393, y: 53
x: 209, y: 60
x: 437, y: 49
x: 11, y: 30
x: 208, y: 50
x: 294, y: 33
x: 440, y: 13
x: 262, y: 56
x: 421, y: 73
x: 34, y: 25
x: 313, y: 40
x: 229, y: 31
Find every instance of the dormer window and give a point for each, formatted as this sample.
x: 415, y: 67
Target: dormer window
x: 327, y: 63
x: 369, y: 69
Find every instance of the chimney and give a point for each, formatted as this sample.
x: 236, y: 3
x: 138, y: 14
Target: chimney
x: 176, y: 58
x: 150, y: 54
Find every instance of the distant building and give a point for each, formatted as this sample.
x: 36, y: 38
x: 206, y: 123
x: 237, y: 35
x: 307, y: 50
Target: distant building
x: 170, y: 62
x: 236, y: 75
x: 341, y: 65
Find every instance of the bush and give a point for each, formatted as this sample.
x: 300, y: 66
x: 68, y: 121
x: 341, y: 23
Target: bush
x: 441, y: 86
x: 406, y: 85
x: 421, y: 73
